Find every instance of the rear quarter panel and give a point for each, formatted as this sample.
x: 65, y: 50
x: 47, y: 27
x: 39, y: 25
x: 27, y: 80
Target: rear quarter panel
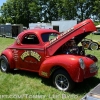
x: 9, y: 55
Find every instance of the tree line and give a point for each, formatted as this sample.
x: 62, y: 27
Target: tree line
x: 32, y: 11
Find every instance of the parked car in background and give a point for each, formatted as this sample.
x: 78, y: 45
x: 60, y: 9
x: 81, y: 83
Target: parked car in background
x: 97, y: 32
x: 90, y: 44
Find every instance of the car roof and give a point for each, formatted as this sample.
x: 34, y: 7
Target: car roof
x: 37, y: 31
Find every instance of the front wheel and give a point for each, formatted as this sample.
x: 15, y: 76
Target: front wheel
x: 4, y: 65
x: 62, y: 80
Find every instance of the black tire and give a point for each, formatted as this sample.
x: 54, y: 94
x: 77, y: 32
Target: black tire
x: 4, y: 65
x: 94, y: 46
x: 62, y: 80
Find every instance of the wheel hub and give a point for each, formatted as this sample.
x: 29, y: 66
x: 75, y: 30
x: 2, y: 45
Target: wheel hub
x: 62, y: 82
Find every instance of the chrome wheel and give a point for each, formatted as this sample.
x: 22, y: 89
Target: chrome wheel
x: 3, y: 66
x: 61, y: 82
x: 94, y: 46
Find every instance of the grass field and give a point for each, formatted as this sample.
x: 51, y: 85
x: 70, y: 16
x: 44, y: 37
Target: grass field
x: 23, y: 85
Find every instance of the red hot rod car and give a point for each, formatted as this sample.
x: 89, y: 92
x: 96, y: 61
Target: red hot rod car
x: 49, y: 53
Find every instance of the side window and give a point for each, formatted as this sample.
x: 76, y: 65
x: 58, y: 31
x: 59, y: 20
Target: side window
x: 48, y: 36
x: 30, y: 39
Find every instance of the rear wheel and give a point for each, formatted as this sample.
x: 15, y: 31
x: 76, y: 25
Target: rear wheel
x: 94, y: 46
x: 4, y: 65
x: 62, y: 80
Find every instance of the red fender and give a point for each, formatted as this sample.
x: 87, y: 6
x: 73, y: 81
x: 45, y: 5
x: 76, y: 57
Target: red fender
x: 68, y: 62
x: 8, y: 54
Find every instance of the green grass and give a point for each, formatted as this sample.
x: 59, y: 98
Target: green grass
x: 23, y: 85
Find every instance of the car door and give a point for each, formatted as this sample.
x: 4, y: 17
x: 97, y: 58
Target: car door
x: 31, y: 53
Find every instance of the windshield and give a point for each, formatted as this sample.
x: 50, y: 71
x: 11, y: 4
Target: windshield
x: 48, y: 36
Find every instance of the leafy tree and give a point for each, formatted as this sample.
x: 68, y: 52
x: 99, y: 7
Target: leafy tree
x: 50, y: 10
x: 18, y: 11
x: 68, y: 11
x: 96, y: 10
x: 83, y: 8
x: 28, y: 11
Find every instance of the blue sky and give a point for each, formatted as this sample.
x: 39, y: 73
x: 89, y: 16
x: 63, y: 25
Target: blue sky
x: 2, y: 1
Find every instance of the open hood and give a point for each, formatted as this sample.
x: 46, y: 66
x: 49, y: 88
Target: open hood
x: 78, y: 32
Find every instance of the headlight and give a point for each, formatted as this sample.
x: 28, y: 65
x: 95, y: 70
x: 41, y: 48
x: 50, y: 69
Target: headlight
x: 81, y: 63
x: 93, y: 68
